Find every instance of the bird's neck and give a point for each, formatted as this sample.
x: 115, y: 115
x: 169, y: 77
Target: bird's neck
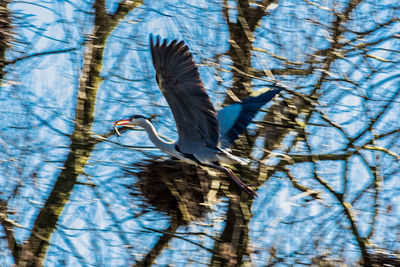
x: 155, y: 138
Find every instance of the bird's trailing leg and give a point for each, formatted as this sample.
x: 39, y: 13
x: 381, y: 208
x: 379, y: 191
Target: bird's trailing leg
x: 239, y: 182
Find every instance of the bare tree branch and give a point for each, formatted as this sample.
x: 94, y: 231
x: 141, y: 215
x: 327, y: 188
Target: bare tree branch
x: 81, y: 146
x: 8, y: 227
x: 45, y: 53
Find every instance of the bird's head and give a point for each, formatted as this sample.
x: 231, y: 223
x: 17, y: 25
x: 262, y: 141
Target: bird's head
x: 132, y: 121
x: 135, y: 120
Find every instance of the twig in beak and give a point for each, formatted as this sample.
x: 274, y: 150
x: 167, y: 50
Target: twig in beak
x: 116, y: 130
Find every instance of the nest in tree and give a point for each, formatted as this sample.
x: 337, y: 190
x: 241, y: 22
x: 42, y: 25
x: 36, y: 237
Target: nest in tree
x: 181, y: 190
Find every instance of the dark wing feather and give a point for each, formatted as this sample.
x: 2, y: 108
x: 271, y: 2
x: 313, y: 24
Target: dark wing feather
x: 235, y: 118
x: 179, y: 80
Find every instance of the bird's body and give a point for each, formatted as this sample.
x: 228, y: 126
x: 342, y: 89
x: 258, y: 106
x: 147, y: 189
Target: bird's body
x: 204, y: 134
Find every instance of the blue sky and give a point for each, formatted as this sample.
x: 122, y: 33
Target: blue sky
x: 45, y: 89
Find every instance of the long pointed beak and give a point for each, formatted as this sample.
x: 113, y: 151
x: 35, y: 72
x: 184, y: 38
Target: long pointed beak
x: 122, y: 122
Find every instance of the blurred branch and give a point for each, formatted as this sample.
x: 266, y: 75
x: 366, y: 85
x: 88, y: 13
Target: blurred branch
x: 114, y: 217
x: 317, y: 157
x: 48, y: 124
x: 124, y: 7
x: 8, y: 226
x: 5, y: 34
x: 162, y: 242
x: 5, y: 43
x: 308, y: 191
x: 383, y: 135
x: 306, y: 108
x: 382, y: 149
x: 241, y: 42
x: 255, y: 14
x: 378, y: 179
x: 347, y: 210
x: 172, y: 232
x: 73, y: 248
x: 377, y: 118
x: 45, y: 53
x: 233, y: 244
x: 35, y: 248
x: 234, y: 240
x: 283, y: 72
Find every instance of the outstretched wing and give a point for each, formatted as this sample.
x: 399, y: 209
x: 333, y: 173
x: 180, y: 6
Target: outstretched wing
x: 235, y: 118
x: 179, y: 80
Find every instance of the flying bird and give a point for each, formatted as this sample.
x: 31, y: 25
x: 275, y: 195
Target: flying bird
x: 205, y: 135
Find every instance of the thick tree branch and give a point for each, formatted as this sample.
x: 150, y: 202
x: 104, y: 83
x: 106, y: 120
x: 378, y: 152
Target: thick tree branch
x: 82, y: 144
x: 234, y: 239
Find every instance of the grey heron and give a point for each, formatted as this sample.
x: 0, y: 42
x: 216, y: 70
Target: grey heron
x: 204, y: 135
